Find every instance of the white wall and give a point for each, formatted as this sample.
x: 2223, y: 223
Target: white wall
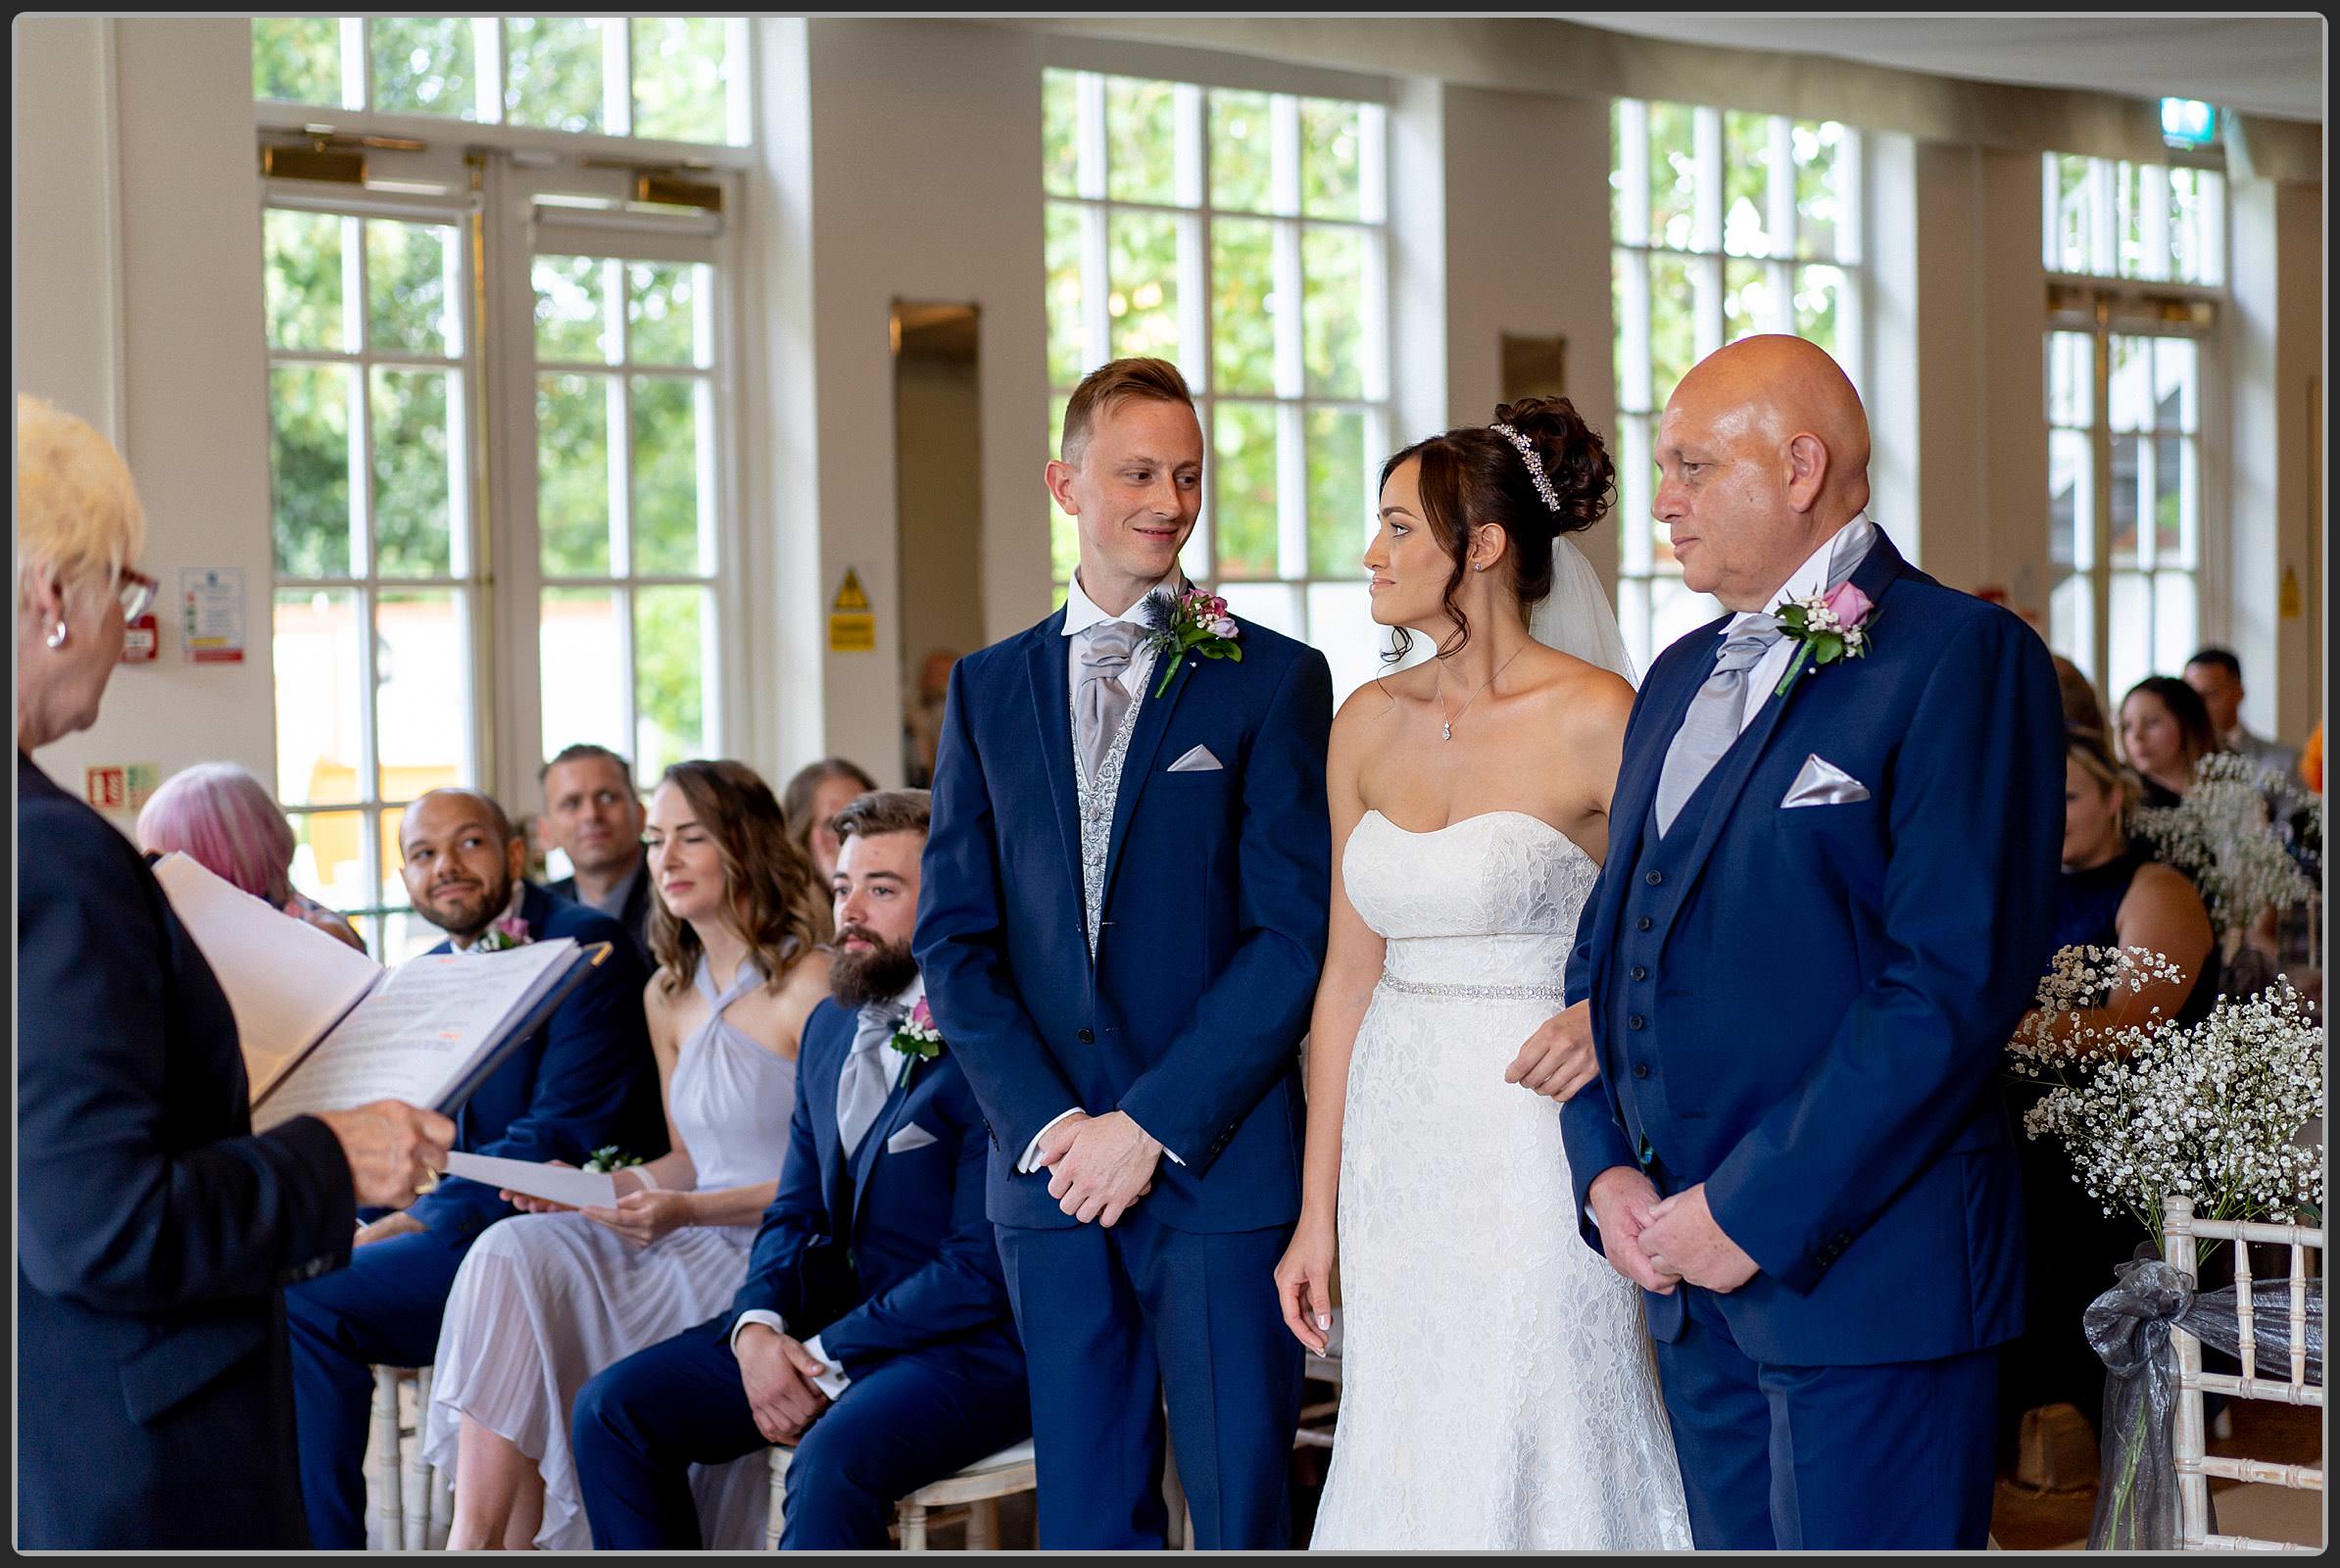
x: 192, y: 398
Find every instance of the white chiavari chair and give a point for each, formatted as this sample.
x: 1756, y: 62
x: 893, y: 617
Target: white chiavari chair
x: 2288, y: 1384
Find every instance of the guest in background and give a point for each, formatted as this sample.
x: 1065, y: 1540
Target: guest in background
x: 593, y: 816
x: 2083, y: 708
x: 2216, y: 675
x: 546, y: 1300
x: 813, y: 798
x: 922, y: 718
x: 587, y: 1078
x: 222, y: 818
x: 2109, y: 896
x: 873, y: 1330
x: 154, y: 1231
x: 2165, y: 730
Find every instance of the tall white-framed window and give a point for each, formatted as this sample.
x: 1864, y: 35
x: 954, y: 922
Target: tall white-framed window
x: 503, y: 452
x: 1243, y: 235
x: 373, y: 395
x: 630, y: 494
x: 1724, y: 224
x: 2137, y: 262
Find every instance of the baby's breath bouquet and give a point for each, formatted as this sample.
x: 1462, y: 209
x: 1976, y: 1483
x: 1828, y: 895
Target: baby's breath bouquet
x: 2223, y: 838
x: 2210, y: 1111
x: 2207, y: 1110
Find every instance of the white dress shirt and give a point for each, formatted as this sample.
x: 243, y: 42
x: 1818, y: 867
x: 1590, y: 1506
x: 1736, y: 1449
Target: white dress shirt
x: 834, y: 1381
x: 1812, y: 577
x: 1080, y: 614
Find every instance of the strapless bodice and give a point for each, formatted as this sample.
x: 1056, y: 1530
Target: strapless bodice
x: 1490, y: 900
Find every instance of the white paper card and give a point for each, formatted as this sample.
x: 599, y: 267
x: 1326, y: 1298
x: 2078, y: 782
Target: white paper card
x: 558, y: 1183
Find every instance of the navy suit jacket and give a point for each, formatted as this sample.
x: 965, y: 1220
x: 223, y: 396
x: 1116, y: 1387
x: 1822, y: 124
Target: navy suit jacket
x: 585, y: 1079
x: 1837, y: 983
x: 635, y: 916
x: 155, y: 1230
x: 1216, y: 888
x: 888, y: 1252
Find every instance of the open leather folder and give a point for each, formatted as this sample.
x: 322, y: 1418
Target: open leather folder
x: 323, y: 1027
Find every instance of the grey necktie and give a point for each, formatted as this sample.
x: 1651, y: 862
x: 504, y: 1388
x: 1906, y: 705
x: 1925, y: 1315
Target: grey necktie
x: 1104, y: 700
x: 1712, y: 722
x: 861, y: 1089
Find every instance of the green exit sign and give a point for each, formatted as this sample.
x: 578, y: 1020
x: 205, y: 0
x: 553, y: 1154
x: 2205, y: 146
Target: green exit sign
x: 2188, y: 122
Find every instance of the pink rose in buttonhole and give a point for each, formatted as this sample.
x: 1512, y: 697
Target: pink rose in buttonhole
x: 1848, y: 604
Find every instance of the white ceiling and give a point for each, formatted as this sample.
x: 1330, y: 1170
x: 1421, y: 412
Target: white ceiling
x: 2266, y: 65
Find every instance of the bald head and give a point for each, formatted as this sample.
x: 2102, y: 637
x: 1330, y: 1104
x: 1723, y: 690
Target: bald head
x: 1763, y: 455
x: 471, y: 804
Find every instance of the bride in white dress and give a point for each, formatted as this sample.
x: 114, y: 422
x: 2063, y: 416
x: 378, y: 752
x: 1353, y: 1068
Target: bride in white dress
x: 1499, y: 1387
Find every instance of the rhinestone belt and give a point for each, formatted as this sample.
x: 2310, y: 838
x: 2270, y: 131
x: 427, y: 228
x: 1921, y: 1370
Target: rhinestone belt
x: 1419, y: 988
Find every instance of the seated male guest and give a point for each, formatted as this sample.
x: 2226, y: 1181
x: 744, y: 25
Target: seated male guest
x: 584, y: 1080
x: 593, y: 816
x: 873, y: 1330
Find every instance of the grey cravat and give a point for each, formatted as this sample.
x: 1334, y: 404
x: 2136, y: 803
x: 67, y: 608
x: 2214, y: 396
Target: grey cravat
x: 1712, y: 722
x: 861, y: 1089
x: 1102, y: 699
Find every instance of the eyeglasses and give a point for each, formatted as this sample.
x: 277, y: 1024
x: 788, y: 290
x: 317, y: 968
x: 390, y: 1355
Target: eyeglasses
x: 136, y: 590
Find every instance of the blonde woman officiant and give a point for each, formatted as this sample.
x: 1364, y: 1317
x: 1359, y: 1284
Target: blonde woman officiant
x: 156, y: 1231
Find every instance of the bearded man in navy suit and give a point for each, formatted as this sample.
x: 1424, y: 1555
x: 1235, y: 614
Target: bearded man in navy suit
x: 1123, y: 924
x: 1831, y: 860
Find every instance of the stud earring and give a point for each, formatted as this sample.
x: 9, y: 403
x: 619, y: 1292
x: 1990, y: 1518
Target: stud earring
x: 57, y: 636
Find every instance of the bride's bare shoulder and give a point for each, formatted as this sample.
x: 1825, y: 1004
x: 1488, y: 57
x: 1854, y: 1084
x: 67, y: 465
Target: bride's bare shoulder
x: 1376, y: 700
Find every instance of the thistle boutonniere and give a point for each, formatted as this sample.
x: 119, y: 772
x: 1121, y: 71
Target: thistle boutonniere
x: 509, y: 931
x: 1196, y: 621
x: 1825, y: 627
x: 917, y: 1038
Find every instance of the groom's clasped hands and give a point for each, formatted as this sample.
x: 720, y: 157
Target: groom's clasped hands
x: 1097, y: 1165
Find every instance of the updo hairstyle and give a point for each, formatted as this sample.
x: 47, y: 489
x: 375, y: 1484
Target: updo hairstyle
x: 1473, y: 475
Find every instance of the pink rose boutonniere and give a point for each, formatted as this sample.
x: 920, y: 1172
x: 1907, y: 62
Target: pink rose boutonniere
x: 1826, y: 627
x: 509, y: 931
x: 918, y: 1037
x: 1197, y: 622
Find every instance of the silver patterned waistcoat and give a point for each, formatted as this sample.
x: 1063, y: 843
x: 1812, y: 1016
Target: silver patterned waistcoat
x: 1097, y: 797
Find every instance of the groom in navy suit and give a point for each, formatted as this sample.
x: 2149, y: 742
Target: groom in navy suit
x: 872, y: 1330
x: 1123, y: 921
x: 1823, y: 909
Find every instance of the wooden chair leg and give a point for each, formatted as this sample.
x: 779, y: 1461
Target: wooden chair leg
x: 983, y: 1525
x: 382, y: 1459
x: 913, y: 1518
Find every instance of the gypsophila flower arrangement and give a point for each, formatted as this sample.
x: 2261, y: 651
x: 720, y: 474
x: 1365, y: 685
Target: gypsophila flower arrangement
x: 2222, y: 837
x: 2208, y: 1110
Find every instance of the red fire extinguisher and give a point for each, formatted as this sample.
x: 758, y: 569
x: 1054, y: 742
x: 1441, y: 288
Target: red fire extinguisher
x: 141, y: 642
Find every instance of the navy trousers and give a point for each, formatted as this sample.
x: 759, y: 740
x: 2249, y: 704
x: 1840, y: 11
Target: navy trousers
x: 382, y: 1311
x: 915, y: 1418
x: 1829, y: 1458
x: 1115, y: 1319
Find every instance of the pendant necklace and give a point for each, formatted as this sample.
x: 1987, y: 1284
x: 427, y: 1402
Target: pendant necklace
x: 1446, y: 732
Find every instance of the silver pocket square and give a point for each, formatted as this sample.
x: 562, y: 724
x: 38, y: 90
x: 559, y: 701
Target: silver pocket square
x: 911, y: 1137
x: 1823, y: 783
x: 1197, y: 760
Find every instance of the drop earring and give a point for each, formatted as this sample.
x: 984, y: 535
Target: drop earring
x: 57, y: 636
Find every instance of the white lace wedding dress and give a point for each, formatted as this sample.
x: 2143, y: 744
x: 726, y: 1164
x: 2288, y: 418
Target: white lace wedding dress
x: 1498, y: 1389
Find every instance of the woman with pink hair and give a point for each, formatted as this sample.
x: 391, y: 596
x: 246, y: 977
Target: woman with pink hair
x: 222, y: 818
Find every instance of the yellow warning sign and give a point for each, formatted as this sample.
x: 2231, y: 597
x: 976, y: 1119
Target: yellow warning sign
x: 852, y: 627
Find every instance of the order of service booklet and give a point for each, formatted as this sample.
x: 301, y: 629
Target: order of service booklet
x: 323, y: 1027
